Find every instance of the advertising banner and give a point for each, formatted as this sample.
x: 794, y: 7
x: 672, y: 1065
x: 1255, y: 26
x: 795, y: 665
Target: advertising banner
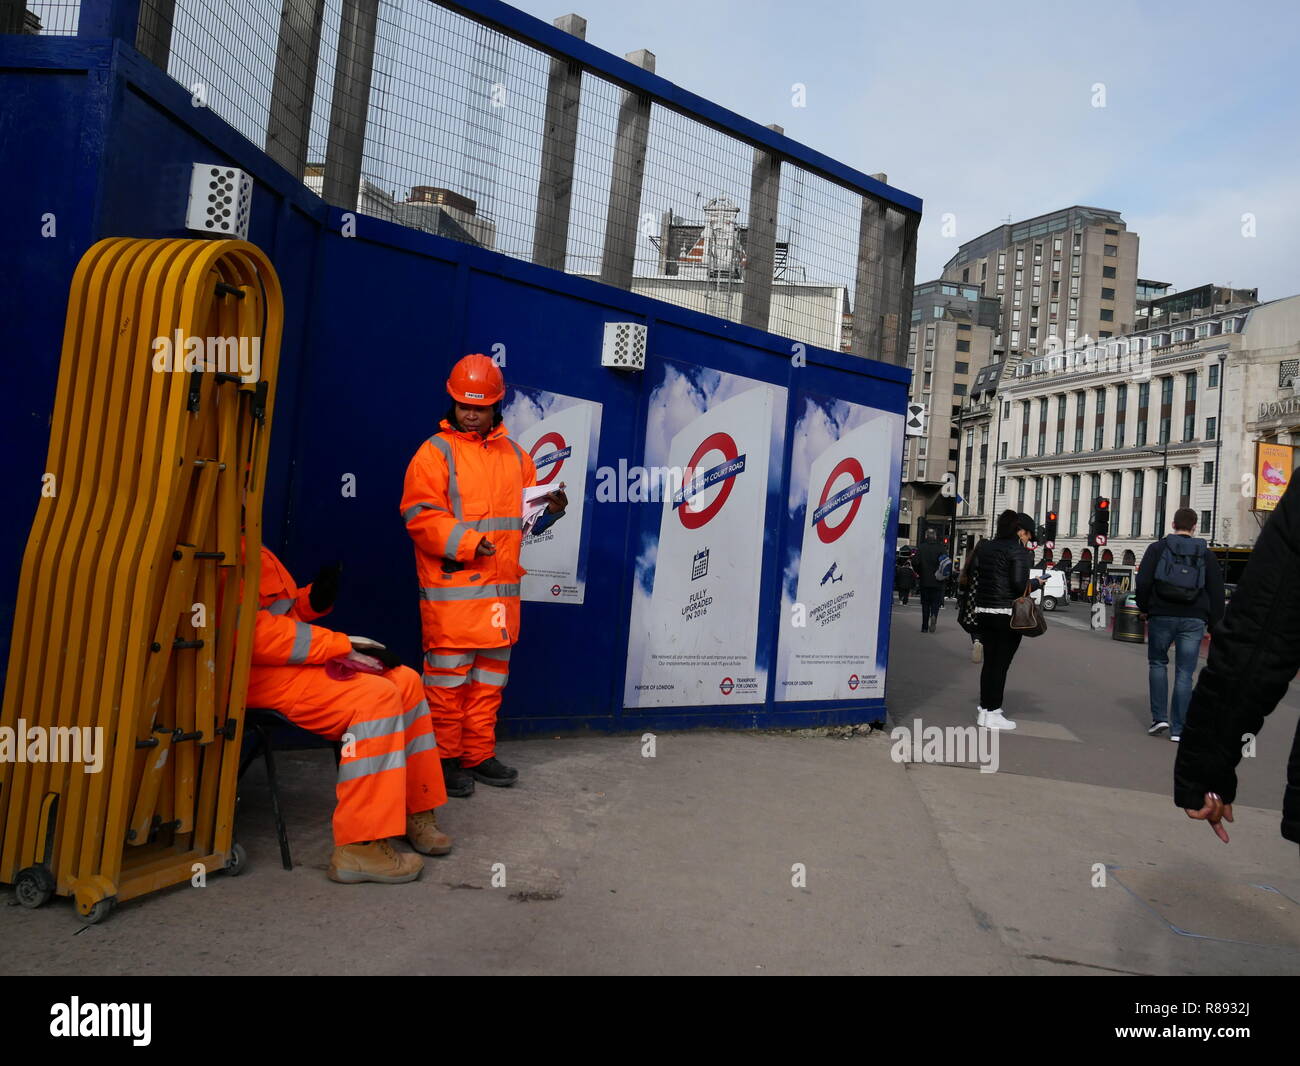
x: 844, y: 468
x: 562, y: 434
x: 713, y: 451
x: 1274, y: 464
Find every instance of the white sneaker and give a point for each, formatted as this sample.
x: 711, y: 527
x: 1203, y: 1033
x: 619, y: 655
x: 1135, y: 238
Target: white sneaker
x: 996, y: 720
x: 977, y: 652
x: 980, y: 715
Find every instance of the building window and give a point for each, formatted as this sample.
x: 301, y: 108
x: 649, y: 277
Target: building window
x: 926, y: 385
x: 1164, y: 431
x: 1078, y: 240
x: 1205, y: 523
x: 1189, y: 427
x: 1211, y: 428
x: 1038, y: 253
x: 1002, y: 261
x: 1108, y: 294
x: 963, y: 327
x: 1107, y: 272
x: 1207, y: 473
x: 1056, y: 244
x: 1166, y: 390
x: 1006, y: 411
x: 1005, y: 445
x: 961, y: 368
x: 1213, y: 382
x: 1002, y: 486
x: 1074, y: 264
x: 965, y: 274
x: 963, y: 346
x: 1074, y: 286
x: 1112, y: 232
x: 1135, y: 526
x: 1116, y: 499
x: 1107, y: 314
x: 1185, y: 486
x: 1110, y: 249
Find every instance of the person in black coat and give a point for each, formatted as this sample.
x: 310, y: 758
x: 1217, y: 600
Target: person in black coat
x: 1254, y: 654
x: 1000, y: 575
x: 904, y: 580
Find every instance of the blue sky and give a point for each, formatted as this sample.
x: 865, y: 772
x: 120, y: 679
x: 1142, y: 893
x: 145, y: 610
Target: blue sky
x: 987, y: 110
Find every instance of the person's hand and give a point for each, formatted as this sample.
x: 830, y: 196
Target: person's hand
x: 377, y: 651
x: 1215, y: 812
x: 485, y: 547
x: 325, y: 587
x: 558, y: 500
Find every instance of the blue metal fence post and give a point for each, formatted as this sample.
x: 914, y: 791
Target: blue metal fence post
x: 109, y: 18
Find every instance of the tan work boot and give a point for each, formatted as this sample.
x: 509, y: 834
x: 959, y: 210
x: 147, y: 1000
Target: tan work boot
x: 377, y: 860
x: 425, y: 836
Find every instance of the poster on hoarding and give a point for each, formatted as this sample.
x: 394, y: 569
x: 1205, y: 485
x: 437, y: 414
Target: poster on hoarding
x: 561, y: 433
x: 1274, y: 464
x: 844, y: 467
x: 712, y: 462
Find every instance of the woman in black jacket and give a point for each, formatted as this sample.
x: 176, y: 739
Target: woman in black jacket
x: 1254, y: 654
x: 1001, y: 574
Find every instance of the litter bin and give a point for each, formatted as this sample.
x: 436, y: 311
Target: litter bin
x: 1128, y: 624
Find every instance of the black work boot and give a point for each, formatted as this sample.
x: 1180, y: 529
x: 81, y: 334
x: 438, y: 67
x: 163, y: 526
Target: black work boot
x: 494, y: 772
x: 459, y: 783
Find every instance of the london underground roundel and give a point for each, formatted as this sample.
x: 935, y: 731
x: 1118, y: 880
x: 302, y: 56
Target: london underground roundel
x: 723, y: 474
x: 850, y: 495
x: 560, y: 451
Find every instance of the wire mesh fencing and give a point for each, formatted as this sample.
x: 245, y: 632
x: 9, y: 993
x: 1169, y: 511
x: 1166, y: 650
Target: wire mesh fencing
x: 427, y: 116
x: 57, y: 18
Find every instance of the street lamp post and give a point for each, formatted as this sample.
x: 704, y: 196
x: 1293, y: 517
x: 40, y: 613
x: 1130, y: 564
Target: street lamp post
x: 1218, y: 447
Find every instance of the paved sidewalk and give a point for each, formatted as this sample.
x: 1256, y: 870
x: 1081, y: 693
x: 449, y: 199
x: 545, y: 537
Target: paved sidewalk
x: 683, y: 863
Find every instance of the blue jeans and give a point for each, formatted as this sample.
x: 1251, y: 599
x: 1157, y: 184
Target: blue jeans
x: 1185, y: 634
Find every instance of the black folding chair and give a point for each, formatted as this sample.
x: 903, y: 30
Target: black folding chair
x: 261, y: 725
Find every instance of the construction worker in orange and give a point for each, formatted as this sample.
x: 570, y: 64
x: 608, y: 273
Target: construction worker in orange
x: 463, y: 505
x: 356, y: 691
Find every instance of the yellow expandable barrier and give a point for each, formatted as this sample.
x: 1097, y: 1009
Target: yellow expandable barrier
x: 128, y: 657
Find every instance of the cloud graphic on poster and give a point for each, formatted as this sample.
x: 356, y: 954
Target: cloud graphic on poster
x: 822, y: 423
x: 525, y: 408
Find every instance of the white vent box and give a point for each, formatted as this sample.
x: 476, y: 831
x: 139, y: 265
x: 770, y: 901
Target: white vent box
x: 220, y: 199
x: 624, y: 347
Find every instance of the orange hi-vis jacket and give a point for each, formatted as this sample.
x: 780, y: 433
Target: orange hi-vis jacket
x: 461, y: 487
x: 284, y: 635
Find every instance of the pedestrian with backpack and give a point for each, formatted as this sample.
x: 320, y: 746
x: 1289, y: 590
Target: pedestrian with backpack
x: 934, y: 566
x: 1180, y: 595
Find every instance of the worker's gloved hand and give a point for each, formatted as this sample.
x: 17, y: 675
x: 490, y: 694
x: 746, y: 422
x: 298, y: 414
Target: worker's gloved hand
x: 325, y: 588
x: 485, y: 547
x: 377, y: 651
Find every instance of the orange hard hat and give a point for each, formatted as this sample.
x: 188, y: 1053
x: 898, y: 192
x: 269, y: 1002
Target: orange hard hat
x: 476, y: 381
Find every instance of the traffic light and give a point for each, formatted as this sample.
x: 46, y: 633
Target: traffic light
x: 1049, y: 529
x: 1099, y: 526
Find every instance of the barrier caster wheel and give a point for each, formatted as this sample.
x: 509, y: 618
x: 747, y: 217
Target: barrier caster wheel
x: 33, y: 887
x: 98, y: 912
x: 238, y: 860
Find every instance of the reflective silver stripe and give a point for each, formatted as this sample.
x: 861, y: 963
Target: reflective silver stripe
x: 301, y: 644
x: 443, y: 680
x: 394, y: 723
x: 453, y: 491
x: 448, y: 662
x: 279, y: 606
x: 488, y: 525
x: 488, y: 677
x: 457, y: 534
x: 469, y: 592
x: 415, y: 509
x: 501, y: 654
x: 427, y: 742
x: 518, y: 452
x: 351, y: 769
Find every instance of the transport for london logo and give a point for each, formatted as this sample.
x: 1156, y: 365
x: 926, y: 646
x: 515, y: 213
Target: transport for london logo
x: 725, y: 473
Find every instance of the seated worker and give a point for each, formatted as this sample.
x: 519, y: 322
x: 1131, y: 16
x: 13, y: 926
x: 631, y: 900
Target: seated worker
x: 462, y: 503
x: 390, y: 779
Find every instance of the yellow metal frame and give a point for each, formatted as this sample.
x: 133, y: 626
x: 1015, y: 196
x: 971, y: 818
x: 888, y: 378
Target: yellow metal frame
x: 158, y: 478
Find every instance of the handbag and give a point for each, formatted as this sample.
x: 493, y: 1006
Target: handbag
x: 1027, y: 617
x: 966, y: 604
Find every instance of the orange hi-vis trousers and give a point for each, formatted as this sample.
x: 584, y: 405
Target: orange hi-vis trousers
x: 463, y: 687
x: 390, y: 766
